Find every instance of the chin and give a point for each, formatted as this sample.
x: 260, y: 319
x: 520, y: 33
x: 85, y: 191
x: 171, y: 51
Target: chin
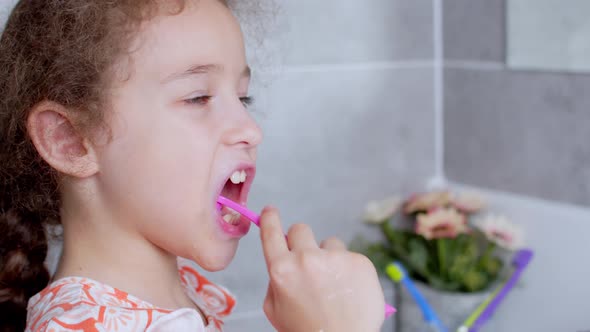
x: 213, y: 262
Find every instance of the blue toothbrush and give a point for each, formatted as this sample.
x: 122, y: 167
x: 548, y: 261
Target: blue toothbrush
x: 398, y: 274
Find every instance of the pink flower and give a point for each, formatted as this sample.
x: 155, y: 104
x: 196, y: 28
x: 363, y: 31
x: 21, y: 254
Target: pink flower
x: 501, y: 231
x: 378, y: 212
x: 427, y: 201
x: 468, y: 202
x: 441, y: 223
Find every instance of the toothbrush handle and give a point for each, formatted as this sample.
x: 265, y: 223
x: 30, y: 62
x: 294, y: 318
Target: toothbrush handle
x: 253, y: 217
x: 475, y: 315
x: 429, y: 314
x: 389, y: 310
x: 495, y: 302
x: 420, y: 300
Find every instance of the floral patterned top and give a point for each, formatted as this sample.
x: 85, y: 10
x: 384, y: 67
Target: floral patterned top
x: 85, y: 305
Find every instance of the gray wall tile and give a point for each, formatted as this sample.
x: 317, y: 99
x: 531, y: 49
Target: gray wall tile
x: 474, y: 30
x: 6, y: 7
x: 333, y: 141
x: 525, y: 132
x: 548, y: 35
x: 254, y: 323
x: 337, y: 31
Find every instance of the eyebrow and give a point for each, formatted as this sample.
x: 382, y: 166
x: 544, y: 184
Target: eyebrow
x: 203, y: 70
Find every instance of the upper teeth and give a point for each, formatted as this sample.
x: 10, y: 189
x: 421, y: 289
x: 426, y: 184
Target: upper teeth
x: 238, y: 177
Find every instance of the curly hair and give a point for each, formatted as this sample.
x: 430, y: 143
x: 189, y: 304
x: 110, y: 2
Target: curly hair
x: 62, y: 51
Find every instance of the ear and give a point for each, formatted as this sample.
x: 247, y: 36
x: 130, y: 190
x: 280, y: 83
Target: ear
x: 59, y: 143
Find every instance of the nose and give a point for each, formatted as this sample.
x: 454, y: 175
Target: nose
x: 243, y: 129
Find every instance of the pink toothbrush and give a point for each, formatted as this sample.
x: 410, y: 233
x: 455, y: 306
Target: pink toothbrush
x: 238, y: 208
x: 222, y: 201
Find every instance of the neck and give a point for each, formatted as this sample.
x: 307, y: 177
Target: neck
x: 99, y: 247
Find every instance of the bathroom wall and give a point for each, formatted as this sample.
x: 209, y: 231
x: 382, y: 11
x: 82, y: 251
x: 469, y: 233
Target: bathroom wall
x: 5, y: 8
x: 513, y: 130
x: 346, y: 105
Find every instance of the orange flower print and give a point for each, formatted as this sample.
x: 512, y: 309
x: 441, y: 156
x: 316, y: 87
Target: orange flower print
x: 118, y: 319
x: 85, y: 305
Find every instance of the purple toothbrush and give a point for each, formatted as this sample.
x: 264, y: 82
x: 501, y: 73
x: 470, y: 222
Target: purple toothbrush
x: 520, y: 261
x: 253, y: 217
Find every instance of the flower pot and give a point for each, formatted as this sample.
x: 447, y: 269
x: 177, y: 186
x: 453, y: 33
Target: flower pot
x: 451, y: 308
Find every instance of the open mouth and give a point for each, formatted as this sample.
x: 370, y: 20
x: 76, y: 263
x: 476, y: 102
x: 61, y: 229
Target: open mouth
x: 236, y: 189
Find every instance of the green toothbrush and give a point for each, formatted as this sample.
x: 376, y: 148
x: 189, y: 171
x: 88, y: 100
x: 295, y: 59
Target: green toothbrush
x: 475, y: 315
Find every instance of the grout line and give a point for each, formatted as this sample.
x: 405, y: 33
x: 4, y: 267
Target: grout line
x: 438, y: 95
x: 409, y: 64
x: 520, y: 196
x: 474, y: 65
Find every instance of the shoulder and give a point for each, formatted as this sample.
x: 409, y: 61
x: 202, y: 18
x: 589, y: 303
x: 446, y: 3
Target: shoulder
x: 80, y: 304
x: 115, y: 319
x: 59, y: 298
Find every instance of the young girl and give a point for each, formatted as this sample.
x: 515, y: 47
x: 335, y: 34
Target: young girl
x: 123, y: 121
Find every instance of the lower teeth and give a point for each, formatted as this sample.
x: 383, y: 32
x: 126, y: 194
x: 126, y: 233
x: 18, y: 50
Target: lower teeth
x: 231, y: 217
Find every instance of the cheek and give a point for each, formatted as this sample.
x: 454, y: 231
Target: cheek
x: 158, y: 177
x: 163, y: 192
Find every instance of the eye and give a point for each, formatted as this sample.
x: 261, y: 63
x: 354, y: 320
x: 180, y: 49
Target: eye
x: 247, y: 101
x: 200, y: 100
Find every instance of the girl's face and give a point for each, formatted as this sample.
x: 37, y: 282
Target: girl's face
x: 180, y: 129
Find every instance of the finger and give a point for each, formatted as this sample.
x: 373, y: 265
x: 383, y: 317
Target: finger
x: 268, y: 302
x: 301, y: 237
x: 271, y: 235
x: 333, y: 243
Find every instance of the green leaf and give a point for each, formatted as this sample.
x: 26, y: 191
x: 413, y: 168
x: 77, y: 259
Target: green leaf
x: 458, y: 268
x: 418, y: 256
x: 444, y: 285
x: 379, y: 255
x: 388, y: 231
x: 470, y: 248
x: 491, y: 265
x: 475, y: 280
x: 442, y: 256
x: 397, y: 240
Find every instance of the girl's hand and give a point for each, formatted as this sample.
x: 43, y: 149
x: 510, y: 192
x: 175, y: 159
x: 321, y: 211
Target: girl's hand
x: 317, y: 288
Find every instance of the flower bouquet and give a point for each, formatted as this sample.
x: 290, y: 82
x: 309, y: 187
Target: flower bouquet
x: 447, y: 244
x: 440, y: 239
